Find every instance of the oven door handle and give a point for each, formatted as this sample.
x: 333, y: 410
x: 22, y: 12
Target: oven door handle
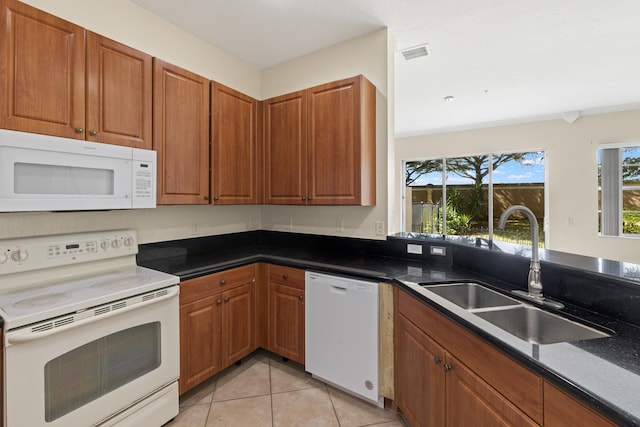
x: 85, y: 318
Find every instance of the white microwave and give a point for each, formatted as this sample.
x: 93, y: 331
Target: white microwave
x: 47, y: 173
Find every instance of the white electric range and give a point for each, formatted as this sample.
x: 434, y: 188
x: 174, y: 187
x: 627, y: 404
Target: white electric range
x: 90, y: 338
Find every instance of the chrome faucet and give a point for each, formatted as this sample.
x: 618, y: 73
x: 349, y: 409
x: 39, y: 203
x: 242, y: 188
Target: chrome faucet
x: 534, y: 283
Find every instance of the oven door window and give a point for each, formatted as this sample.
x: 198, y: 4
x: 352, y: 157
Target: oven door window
x: 86, y: 373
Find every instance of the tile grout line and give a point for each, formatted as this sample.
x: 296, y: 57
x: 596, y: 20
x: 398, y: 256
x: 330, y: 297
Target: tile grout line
x: 271, y: 394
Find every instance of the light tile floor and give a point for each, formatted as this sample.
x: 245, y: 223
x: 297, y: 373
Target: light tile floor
x: 264, y: 391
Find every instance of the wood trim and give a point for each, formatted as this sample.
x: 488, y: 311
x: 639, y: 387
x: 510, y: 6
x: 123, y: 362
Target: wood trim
x: 386, y: 351
x: 561, y: 409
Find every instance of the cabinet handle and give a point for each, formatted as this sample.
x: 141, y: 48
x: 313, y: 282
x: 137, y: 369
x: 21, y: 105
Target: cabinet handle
x: 446, y: 367
x: 93, y: 132
x: 300, y: 297
x: 219, y: 302
x: 309, y: 198
x: 304, y: 198
x: 226, y: 299
x: 206, y: 197
x: 437, y: 360
x: 223, y: 282
x: 216, y: 198
x: 285, y: 277
x: 79, y: 130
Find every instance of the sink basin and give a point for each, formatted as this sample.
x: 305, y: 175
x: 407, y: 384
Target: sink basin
x: 471, y: 296
x: 538, y: 326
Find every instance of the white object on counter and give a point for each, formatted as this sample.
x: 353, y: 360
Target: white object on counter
x: 341, y: 333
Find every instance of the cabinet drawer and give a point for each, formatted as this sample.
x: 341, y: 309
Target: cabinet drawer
x: 288, y: 276
x: 521, y: 386
x: 201, y: 287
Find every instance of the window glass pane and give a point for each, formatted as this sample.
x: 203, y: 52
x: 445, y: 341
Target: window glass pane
x: 88, y: 372
x: 423, y: 180
x: 631, y: 190
x: 467, y: 195
x: 518, y: 179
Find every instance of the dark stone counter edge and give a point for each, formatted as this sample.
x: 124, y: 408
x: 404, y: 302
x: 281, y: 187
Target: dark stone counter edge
x: 613, y: 412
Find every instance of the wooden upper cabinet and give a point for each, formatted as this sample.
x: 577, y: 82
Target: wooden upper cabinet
x: 341, y: 143
x: 42, y: 72
x: 65, y: 81
x: 320, y: 145
x: 285, y: 149
x: 181, y: 134
x: 119, y: 87
x: 234, y: 147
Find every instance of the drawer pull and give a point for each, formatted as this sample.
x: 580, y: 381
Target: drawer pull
x: 300, y: 297
x: 226, y: 299
x: 285, y: 277
x: 219, y: 302
x: 223, y: 282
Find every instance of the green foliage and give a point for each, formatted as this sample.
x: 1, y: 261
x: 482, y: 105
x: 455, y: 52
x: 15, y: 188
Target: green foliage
x: 630, y: 223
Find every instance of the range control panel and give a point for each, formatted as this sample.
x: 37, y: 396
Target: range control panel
x: 35, y: 253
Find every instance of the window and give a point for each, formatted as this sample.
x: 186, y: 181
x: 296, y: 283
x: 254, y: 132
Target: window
x: 466, y: 195
x: 619, y: 190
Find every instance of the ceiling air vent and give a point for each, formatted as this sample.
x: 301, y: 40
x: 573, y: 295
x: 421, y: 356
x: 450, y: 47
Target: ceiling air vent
x: 415, y: 51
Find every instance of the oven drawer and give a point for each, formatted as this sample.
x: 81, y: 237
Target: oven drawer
x: 202, y: 287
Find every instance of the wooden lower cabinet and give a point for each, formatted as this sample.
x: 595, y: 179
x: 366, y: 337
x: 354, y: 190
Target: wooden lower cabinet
x: 560, y: 409
x: 286, y: 312
x: 473, y: 402
x: 217, y: 323
x: 420, y: 379
x: 445, y: 376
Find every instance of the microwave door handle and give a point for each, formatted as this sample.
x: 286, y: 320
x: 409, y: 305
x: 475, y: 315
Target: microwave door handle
x: 32, y: 336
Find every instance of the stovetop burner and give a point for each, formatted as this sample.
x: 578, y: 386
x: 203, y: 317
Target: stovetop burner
x: 42, y: 300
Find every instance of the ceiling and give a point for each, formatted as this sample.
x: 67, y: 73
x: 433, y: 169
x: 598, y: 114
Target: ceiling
x: 503, y: 61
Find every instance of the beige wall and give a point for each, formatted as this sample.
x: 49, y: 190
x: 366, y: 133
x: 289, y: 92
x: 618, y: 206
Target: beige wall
x: 571, y: 167
x: 128, y: 23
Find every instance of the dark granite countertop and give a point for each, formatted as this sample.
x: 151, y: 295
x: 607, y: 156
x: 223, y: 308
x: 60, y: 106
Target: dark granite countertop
x: 604, y: 372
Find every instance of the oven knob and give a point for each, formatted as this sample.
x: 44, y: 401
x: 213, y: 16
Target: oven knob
x: 20, y: 255
x: 128, y: 241
x: 3, y: 258
x: 104, y: 244
x: 116, y: 243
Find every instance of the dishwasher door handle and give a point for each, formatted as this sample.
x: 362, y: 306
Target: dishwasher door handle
x: 338, y: 289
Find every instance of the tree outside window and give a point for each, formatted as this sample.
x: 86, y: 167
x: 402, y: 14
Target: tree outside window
x: 466, y: 195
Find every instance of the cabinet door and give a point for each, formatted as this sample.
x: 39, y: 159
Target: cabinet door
x: 200, y: 337
x: 42, y: 72
x: 119, y: 84
x: 286, y: 321
x: 234, y: 147
x: 420, y: 377
x: 341, y: 143
x: 285, y: 149
x: 560, y: 409
x: 181, y: 134
x: 471, y: 401
x: 238, y: 313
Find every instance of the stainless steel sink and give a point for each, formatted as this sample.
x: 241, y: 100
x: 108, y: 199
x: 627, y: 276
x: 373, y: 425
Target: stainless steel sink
x: 538, y: 326
x: 471, y: 295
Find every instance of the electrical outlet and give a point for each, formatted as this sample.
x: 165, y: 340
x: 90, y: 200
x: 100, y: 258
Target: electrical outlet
x: 340, y: 226
x: 414, y: 249
x: 379, y: 228
x: 438, y: 250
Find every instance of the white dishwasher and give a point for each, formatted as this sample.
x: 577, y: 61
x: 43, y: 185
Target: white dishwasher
x: 341, y: 332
